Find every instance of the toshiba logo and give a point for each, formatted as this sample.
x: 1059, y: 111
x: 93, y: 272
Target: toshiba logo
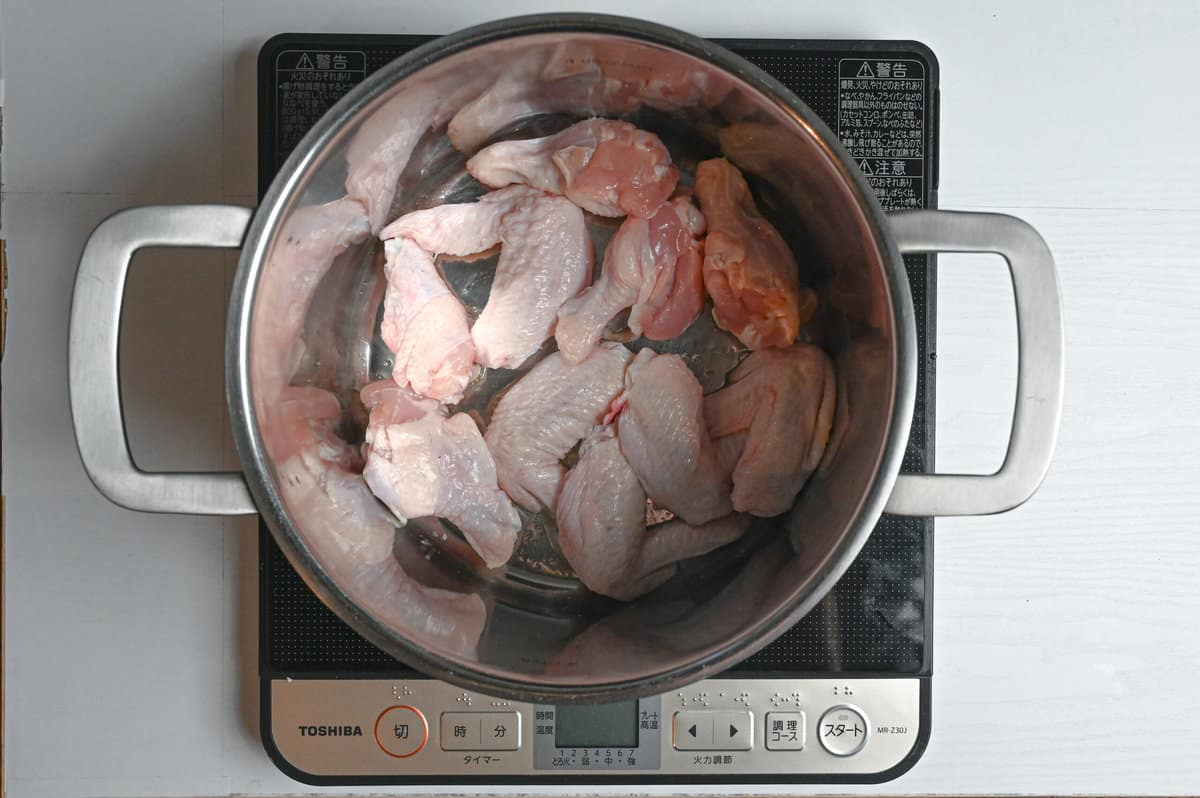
x: 330, y: 731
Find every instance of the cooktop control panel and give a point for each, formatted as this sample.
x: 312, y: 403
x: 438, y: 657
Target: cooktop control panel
x: 326, y: 729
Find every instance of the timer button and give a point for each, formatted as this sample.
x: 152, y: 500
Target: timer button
x: 401, y: 731
x: 843, y: 730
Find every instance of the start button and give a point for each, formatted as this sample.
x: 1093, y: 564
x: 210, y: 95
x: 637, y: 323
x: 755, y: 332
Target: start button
x: 401, y: 731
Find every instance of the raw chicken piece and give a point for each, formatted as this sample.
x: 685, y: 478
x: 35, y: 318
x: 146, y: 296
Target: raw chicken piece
x: 748, y: 269
x: 311, y: 239
x: 677, y: 295
x: 771, y: 151
x: 602, y: 165
x: 660, y: 422
x: 431, y: 465
x: 518, y: 93
x: 783, y: 401
x: 379, y: 152
x: 319, y: 480
x: 425, y: 325
x: 384, y: 144
x: 602, y: 532
x: 346, y: 527
x: 652, y: 264
x: 863, y: 376
x: 545, y: 259
x: 580, y: 78
x: 434, y: 616
x: 544, y: 414
x: 460, y: 228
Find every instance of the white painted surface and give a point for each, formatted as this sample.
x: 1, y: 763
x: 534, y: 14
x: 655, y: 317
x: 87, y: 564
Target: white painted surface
x: 1065, y: 632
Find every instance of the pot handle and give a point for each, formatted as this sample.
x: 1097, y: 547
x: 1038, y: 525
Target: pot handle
x: 1039, y: 368
x: 92, y: 359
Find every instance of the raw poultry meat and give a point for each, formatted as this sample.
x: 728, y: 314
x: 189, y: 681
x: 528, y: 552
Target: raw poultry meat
x: 425, y: 325
x: 463, y: 228
x: 605, y: 166
x: 660, y: 424
x: 435, y: 616
x: 601, y: 517
x: 420, y: 463
x: 518, y: 93
x: 379, y: 152
x: 653, y: 265
x: 581, y: 78
x: 311, y: 238
x: 349, y: 531
x: 782, y: 401
x: 545, y: 259
x: 544, y: 414
x: 383, y: 145
x: 749, y: 271
x: 319, y: 480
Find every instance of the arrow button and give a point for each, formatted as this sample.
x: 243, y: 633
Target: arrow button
x: 737, y: 729
x: 713, y: 730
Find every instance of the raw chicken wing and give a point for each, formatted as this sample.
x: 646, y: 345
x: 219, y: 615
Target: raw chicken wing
x: 319, y: 479
x: 544, y: 414
x: 425, y: 325
x: 574, y: 77
x: 748, y: 269
x: 652, y: 264
x: 379, y: 152
x: 545, y: 259
x: 601, y: 517
x: 602, y: 165
x: 459, y: 229
x: 431, y: 465
x: 781, y: 401
x: 311, y: 239
x: 660, y: 422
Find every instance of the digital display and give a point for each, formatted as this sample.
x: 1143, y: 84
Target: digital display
x: 596, y: 725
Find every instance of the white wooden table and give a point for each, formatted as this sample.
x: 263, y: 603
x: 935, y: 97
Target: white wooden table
x: 1066, y: 633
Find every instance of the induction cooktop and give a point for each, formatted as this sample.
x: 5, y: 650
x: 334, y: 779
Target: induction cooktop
x: 844, y: 696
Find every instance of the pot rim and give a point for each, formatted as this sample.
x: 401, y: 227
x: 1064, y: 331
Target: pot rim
x: 248, y: 438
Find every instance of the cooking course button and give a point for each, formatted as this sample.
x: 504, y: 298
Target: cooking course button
x: 401, y: 731
x: 843, y: 730
x: 713, y: 730
x: 785, y: 731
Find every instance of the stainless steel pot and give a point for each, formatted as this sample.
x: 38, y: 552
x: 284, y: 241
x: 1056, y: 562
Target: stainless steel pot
x: 530, y: 631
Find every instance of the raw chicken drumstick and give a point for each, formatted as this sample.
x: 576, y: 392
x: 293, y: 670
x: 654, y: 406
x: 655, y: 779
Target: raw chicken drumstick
x: 653, y: 265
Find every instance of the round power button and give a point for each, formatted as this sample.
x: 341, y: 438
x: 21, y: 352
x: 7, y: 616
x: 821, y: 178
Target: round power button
x: 843, y: 730
x: 401, y: 731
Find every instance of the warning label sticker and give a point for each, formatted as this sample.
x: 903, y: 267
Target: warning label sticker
x: 881, y: 122
x: 307, y: 83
